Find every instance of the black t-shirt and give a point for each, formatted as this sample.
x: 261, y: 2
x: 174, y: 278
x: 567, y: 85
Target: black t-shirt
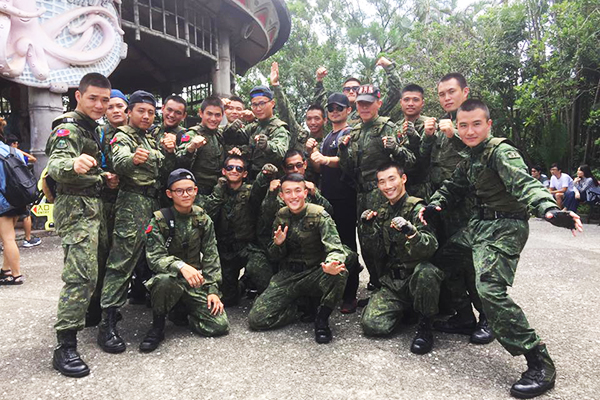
x: 334, y: 184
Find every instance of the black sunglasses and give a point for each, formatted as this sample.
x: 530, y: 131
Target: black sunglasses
x: 351, y: 89
x: 237, y: 168
x: 334, y: 107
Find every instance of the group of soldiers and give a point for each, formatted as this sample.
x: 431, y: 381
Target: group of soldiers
x: 441, y: 208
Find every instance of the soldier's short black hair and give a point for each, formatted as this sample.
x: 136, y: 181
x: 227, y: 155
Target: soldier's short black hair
x: 234, y: 157
x: 293, y: 152
x: 351, y: 78
x: 211, y: 101
x: 293, y: 178
x: 460, y: 78
x: 556, y: 165
x: 391, y: 164
x: 317, y: 107
x: 93, y: 79
x: 177, y: 99
x: 413, y: 87
x: 472, y: 105
x: 537, y: 168
x: 238, y: 99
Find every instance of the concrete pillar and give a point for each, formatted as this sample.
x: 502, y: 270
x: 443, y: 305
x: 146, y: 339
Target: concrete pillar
x: 44, y: 107
x: 222, y: 70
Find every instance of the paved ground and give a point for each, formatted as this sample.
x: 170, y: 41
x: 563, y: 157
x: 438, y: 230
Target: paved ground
x: 557, y: 285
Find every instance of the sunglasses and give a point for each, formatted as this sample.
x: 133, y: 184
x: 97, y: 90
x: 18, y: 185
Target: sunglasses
x: 179, y: 192
x: 351, y: 89
x: 236, y: 167
x: 292, y: 166
x: 334, y: 107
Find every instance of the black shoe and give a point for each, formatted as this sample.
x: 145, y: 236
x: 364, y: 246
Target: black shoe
x: 456, y: 324
x: 539, y: 377
x: 371, y: 287
x: 322, y: 331
x: 108, y: 336
x: 363, y: 302
x: 155, y: 335
x: 482, y: 334
x: 349, y: 306
x: 423, y: 341
x: 66, y: 359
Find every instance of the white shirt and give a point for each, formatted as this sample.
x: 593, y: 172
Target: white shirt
x: 562, y: 182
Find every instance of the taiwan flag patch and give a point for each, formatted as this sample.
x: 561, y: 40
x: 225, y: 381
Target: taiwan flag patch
x: 62, y: 132
x: 149, y: 229
x: 113, y: 140
x: 185, y: 138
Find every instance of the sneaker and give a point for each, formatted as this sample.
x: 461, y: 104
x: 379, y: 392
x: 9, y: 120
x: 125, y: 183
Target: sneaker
x: 34, y: 241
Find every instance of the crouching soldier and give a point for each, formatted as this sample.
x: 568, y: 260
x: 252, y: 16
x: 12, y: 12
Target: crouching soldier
x: 408, y: 281
x: 182, y: 250
x: 311, y: 260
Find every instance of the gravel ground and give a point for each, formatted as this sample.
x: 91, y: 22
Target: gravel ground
x: 556, y: 284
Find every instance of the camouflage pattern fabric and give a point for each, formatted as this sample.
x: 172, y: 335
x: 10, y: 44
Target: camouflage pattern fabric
x: 278, y: 142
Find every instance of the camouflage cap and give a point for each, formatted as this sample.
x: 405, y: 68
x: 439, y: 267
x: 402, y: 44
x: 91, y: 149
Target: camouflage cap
x: 368, y: 93
x: 180, y: 174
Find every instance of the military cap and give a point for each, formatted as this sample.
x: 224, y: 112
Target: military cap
x: 178, y: 175
x: 368, y: 93
x: 117, y: 93
x: 141, y: 96
x: 340, y: 99
x: 261, y: 90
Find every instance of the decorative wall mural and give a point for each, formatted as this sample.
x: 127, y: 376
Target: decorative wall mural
x: 53, y: 43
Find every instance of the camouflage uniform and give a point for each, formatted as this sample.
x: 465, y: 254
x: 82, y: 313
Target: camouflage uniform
x: 440, y: 156
x: 389, y: 102
x: 278, y: 143
x: 495, y: 174
x: 311, y: 239
x: 410, y: 281
x: 194, y: 243
x: 235, y: 213
x: 137, y: 200
x: 206, y: 162
x: 77, y: 212
x: 416, y: 185
x: 360, y: 160
x: 170, y: 161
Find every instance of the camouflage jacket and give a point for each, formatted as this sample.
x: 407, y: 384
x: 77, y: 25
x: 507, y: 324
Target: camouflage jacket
x: 193, y: 242
x: 206, y: 162
x: 312, y: 238
x: 278, y: 143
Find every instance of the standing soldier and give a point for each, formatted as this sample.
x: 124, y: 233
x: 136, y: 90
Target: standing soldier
x: 495, y: 174
x: 173, y: 114
x: 370, y: 143
x: 181, y: 249
x: 138, y: 160
x: 311, y: 263
x: 409, y: 280
x: 268, y: 136
x: 236, y: 115
x: 75, y: 158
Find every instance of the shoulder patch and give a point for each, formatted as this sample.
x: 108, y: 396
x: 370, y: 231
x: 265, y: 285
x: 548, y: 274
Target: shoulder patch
x: 185, y: 138
x: 113, y: 140
x: 63, y: 132
x: 149, y: 229
x: 512, y: 154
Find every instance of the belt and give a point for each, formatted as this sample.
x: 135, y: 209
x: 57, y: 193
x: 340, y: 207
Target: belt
x: 90, y: 191
x: 296, y: 266
x: 109, y: 195
x: 487, y: 214
x: 147, y: 191
x: 400, y: 273
x: 367, y: 187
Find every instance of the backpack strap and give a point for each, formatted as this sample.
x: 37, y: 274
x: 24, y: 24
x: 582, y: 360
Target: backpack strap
x: 169, y: 217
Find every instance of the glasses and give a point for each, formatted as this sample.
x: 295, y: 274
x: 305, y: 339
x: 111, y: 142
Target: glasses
x: 236, y: 167
x: 334, y: 107
x: 260, y: 104
x: 296, y: 166
x: 351, y: 89
x: 179, y: 192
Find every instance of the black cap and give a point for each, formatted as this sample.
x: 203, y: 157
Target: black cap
x: 340, y: 99
x: 368, y: 93
x: 178, y: 175
x: 261, y: 90
x: 141, y: 96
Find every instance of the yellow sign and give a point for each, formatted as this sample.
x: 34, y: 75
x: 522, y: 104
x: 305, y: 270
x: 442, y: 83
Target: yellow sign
x: 45, y: 210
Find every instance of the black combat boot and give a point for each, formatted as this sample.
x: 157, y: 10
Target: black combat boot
x: 108, y: 337
x: 483, y: 333
x: 423, y: 341
x: 155, y: 335
x: 539, y: 377
x: 66, y: 358
x: 464, y: 322
x: 322, y: 331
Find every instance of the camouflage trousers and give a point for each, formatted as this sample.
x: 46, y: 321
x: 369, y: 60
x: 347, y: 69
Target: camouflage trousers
x: 106, y: 233
x: 419, y: 291
x: 277, y: 306
x: 371, y: 247
x: 132, y: 214
x: 78, y: 221
x: 497, y: 245
x: 166, y: 290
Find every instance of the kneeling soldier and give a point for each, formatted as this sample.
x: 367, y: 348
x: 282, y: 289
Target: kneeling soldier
x: 182, y: 250
x: 408, y: 278
x: 311, y: 259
